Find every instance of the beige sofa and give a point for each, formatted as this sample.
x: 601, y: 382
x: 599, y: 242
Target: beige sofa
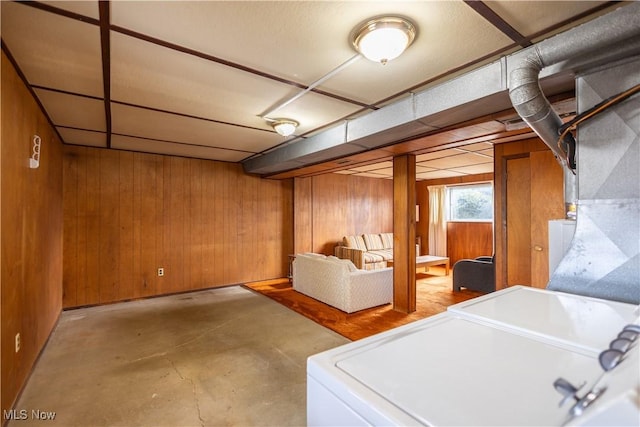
x: 367, y: 251
x: 338, y: 283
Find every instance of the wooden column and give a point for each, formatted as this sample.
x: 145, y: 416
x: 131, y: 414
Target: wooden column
x: 404, y: 233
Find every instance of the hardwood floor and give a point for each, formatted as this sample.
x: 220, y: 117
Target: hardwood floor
x: 434, y: 293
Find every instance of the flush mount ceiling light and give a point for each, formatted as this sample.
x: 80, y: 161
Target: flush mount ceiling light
x: 284, y: 127
x: 383, y: 39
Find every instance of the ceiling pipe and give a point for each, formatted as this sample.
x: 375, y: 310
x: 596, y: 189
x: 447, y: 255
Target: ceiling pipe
x: 605, y: 39
x: 479, y: 92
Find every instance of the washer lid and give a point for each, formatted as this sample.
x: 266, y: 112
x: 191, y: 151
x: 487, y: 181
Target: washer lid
x: 459, y: 372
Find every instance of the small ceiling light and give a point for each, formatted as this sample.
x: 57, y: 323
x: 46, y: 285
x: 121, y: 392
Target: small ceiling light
x: 383, y: 39
x: 284, y: 127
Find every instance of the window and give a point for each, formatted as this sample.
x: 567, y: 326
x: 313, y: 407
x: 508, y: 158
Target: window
x: 472, y: 202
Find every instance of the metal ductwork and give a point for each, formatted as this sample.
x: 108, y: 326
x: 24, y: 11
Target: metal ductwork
x: 478, y: 93
x: 603, y: 40
x: 603, y: 260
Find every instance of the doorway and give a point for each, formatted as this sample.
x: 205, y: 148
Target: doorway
x: 533, y: 195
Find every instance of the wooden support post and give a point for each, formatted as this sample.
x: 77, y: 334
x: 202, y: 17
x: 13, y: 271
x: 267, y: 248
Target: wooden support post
x: 404, y: 233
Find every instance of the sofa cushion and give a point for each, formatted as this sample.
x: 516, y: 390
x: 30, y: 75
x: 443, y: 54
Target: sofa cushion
x: 355, y: 242
x: 373, y: 242
x: 385, y: 254
x: 372, y: 257
x: 387, y: 240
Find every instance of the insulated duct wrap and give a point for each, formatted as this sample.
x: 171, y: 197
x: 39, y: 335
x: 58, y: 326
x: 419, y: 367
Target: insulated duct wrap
x: 601, y: 41
x: 531, y: 104
x: 603, y: 260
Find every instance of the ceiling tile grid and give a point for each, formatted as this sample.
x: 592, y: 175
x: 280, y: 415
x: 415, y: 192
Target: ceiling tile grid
x: 53, y: 51
x: 194, y: 78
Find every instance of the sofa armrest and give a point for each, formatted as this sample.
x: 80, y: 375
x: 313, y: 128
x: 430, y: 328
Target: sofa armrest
x: 369, y: 288
x: 475, y: 275
x: 355, y: 255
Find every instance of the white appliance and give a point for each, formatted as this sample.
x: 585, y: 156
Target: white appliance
x: 488, y: 361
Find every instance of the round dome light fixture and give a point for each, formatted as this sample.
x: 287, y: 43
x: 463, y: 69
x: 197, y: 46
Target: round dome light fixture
x: 284, y: 127
x: 383, y: 39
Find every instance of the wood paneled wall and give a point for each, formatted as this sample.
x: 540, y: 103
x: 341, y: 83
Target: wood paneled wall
x: 422, y: 199
x: 206, y: 223
x: 469, y: 240
x: 31, y: 233
x: 328, y: 207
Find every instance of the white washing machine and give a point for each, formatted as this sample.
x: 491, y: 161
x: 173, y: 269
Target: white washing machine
x: 488, y: 361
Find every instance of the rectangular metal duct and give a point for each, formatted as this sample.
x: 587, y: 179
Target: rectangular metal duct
x: 478, y: 93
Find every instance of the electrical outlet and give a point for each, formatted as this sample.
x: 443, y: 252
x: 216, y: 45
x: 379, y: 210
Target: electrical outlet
x: 18, y: 342
x: 161, y: 272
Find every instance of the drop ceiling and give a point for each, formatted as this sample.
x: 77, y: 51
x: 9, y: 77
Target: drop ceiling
x: 194, y: 79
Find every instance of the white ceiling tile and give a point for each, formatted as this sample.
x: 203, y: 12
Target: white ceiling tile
x: 268, y: 36
x: 372, y: 175
x: 437, y: 175
x: 155, y: 76
x: 73, y: 111
x: 83, y: 137
x: 244, y: 33
x: 475, y: 169
x: 83, y: 7
x: 139, y: 122
x: 299, y: 42
x: 383, y: 171
x: 53, y: 51
x: 437, y: 155
x: 161, y: 147
x: 530, y: 17
x: 423, y: 168
x: 457, y: 161
x: 373, y: 166
x: 429, y: 55
x: 478, y: 146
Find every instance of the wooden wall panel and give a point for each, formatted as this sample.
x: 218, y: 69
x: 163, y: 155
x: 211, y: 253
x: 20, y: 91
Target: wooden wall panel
x: 126, y: 265
x: 469, y: 240
x: 206, y: 223
x: 331, y: 206
x: 31, y: 233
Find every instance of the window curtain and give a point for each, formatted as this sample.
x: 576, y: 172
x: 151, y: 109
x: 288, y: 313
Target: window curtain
x: 437, y: 221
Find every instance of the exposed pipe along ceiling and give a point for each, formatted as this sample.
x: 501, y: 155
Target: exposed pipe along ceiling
x: 550, y: 67
x: 478, y: 93
x: 604, y: 258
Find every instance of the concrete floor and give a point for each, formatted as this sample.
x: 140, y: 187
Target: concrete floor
x: 226, y: 356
